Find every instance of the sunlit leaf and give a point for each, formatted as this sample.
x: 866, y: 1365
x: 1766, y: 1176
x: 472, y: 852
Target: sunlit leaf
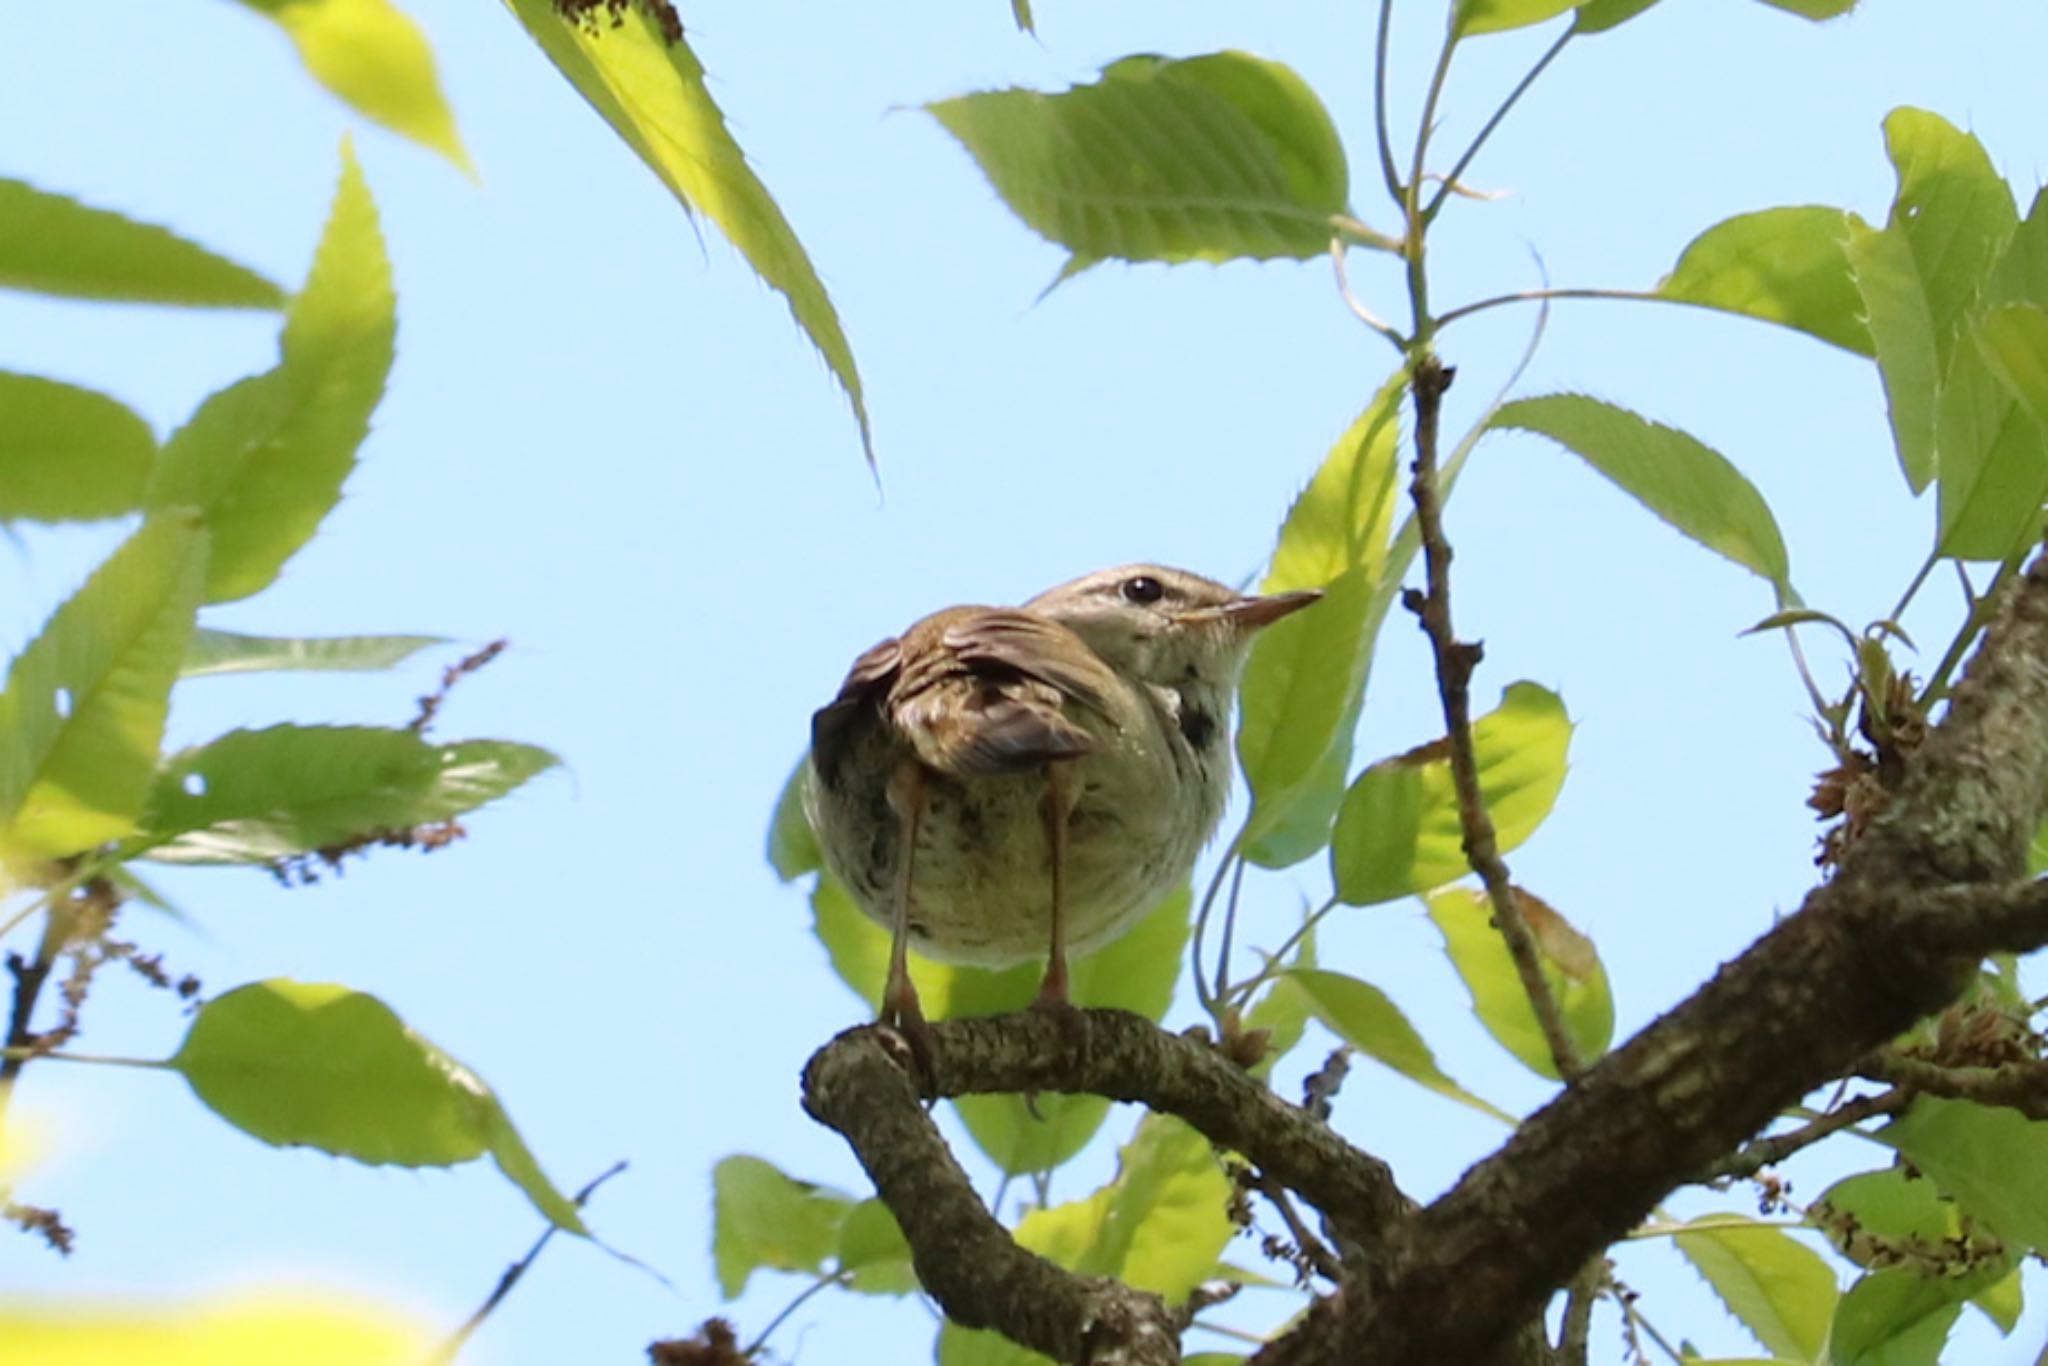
x: 1992, y: 1160
x: 1167, y: 1217
x: 1572, y: 967
x: 264, y: 459
x: 632, y: 63
x: 1399, y: 832
x: 225, y: 652
x: 304, y: 1328
x: 1471, y: 17
x: 83, y: 713
x: 68, y: 454
x: 873, y: 1253
x: 2021, y: 275
x: 761, y: 1218
x: 1363, y: 1016
x: 1676, y: 476
x: 52, y: 244
x: 1954, y: 210
x: 1785, y: 266
x: 319, y: 1065
x: 1782, y: 1290
x: 1597, y: 16
x: 1902, y: 328
x: 1307, y: 674
x: 1814, y: 9
x: 1993, y: 460
x: 252, y: 796
x: 371, y: 55
x: 1895, y: 1316
x: 1204, y: 158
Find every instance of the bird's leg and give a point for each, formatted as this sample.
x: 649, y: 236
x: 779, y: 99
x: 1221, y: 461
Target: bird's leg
x: 900, y: 1008
x: 1053, y: 991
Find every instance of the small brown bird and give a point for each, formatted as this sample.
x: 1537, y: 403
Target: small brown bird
x: 1000, y: 780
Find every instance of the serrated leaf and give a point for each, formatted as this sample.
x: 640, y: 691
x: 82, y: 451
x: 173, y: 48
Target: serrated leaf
x: 377, y: 60
x: 1902, y: 331
x: 1892, y: 1317
x: 1208, y: 158
x: 1306, y: 677
x: 647, y: 83
x: 1992, y: 1160
x: 762, y: 1218
x: 264, y: 459
x: 252, y: 796
x: 1399, y: 832
x: 83, y: 712
x: 319, y: 1065
x: 1954, y: 210
x: 1578, y: 979
x: 1781, y: 1290
x: 69, y: 454
x: 1166, y: 1219
x: 1677, y: 476
x: 792, y: 844
x: 1992, y: 458
x: 1787, y: 266
x: 873, y: 1253
x: 52, y: 244
x: 1472, y: 17
x: 1364, y: 1017
x: 225, y: 652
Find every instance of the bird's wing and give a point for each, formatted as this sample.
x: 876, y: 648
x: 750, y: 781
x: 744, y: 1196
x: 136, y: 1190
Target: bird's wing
x: 834, y: 725
x: 987, y: 690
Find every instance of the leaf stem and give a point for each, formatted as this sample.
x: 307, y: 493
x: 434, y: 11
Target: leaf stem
x: 1980, y: 615
x: 1381, y: 125
x: 22, y: 1053
x: 841, y: 1277
x: 1276, y: 962
x: 1545, y: 295
x: 1457, y: 171
x: 1208, y: 1002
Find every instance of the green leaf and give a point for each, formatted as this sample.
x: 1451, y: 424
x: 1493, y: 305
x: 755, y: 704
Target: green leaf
x: 643, y: 78
x: 1892, y: 1317
x: 1363, y: 1016
x: 1787, y: 266
x: 1470, y: 17
x: 1990, y: 1159
x: 69, y: 454
x: 1676, y: 476
x: 1813, y: 9
x: 1166, y: 1220
x: 1305, y: 681
x: 252, y: 796
x: 313, y: 1064
x: 1992, y: 459
x: 2004, y: 1300
x: 2014, y: 340
x: 1578, y: 979
x: 1135, y: 972
x: 873, y: 1251
x: 1283, y: 1011
x: 1208, y: 158
x: 1782, y: 1290
x: 1953, y: 209
x: 1597, y: 16
x: 792, y: 844
x: 2021, y: 275
x: 224, y: 652
x: 375, y: 58
x: 761, y: 1218
x: 1908, y: 358
x: 52, y: 244
x: 1020, y: 10
x: 83, y: 712
x: 1399, y: 834
x: 264, y: 459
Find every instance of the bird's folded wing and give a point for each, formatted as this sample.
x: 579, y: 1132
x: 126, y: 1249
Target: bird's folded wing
x: 833, y: 725
x: 992, y: 694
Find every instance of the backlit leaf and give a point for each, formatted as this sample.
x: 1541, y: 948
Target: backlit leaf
x: 1363, y: 1016
x: 264, y: 459
x: 52, y: 244
x: 761, y: 1218
x: 225, y: 652
x: 1497, y: 16
x: 260, y: 1329
x: 1578, y: 979
x: 1992, y: 1160
x: 1992, y: 456
x: 873, y: 1252
x: 633, y: 65
x: 792, y: 844
x: 1204, y: 158
x: 1954, y: 210
x: 1785, y: 266
x: 319, y: 1065
x: 1902, y: 328
x: 69, y: 454
x: 1782, y: 1290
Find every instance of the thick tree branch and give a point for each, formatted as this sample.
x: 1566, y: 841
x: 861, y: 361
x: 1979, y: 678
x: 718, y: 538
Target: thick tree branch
x: 1860, y: 961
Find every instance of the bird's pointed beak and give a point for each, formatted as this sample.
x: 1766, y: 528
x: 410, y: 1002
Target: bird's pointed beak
x: 1250, y: 613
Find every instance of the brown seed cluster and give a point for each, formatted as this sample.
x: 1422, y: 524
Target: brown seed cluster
x: 591, y: 14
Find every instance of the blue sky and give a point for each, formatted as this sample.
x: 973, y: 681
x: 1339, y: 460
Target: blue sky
x: 605, y: 441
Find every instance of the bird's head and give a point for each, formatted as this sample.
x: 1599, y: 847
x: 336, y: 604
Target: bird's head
x: 1166, y: 626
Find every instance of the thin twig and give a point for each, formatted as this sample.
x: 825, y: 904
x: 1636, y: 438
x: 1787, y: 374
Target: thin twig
x: 1229, y: 930
x: 1752, y: 1158
x: 1276, y: 962
x: 836, y: 1278
x: 1209, y: 1003
x: 460, y: 1336
x: 1577, y: 1325
x: 2021, y: 1086
x: 1356, y: 304
x: 1311, y: 1247
x: 1980, y: 616
x: 1455, y: 662
x: 1457, y: 171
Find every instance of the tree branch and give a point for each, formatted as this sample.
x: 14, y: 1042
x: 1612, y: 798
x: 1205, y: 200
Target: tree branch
x: 2015, y: 1086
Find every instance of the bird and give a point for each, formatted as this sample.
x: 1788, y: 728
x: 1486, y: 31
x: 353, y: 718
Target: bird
x: 997, y: 783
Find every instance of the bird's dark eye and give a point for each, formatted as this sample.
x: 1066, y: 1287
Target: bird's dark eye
x: 1143, y: 588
